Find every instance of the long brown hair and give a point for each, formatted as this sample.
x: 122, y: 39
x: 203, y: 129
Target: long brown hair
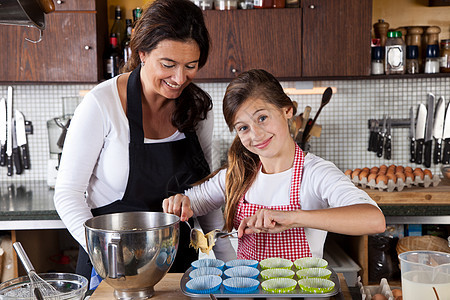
x: 243, y: 165
x: 175, y: 20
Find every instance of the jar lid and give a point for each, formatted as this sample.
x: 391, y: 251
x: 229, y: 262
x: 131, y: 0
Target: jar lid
x: 432, y: 51
x: 412, y: 52
x: 377, y: 53
x: 394, y: 34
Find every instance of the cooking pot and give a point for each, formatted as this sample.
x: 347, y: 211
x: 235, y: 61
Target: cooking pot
x: 25, y: 12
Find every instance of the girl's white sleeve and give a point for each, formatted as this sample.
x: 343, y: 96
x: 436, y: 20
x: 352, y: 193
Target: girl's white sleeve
x: 82, y: 146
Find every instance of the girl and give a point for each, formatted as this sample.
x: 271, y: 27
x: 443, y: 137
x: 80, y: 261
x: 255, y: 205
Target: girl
x: 282, y: 201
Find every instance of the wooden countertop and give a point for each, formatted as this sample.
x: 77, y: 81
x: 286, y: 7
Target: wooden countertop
x: 169, y: 288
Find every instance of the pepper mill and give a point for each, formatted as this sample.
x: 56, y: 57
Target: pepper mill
x: 414, y: 38
x: 403, y: 31
x: 381, y: 29
x: 432, y: 33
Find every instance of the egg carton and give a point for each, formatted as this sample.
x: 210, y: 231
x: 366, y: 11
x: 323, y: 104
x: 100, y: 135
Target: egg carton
x: 399, y: 183
x: 368, y: 292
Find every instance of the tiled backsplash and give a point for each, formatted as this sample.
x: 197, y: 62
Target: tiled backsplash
x: 344, y: 120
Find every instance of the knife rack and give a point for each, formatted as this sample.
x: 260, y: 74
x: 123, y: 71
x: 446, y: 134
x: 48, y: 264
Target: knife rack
x: 395, y: 123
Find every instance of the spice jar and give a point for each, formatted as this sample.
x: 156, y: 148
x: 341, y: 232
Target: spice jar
x: 377, y: 61
x: 432, y: 59
x: 225, y: 4
x: 412, y: 59
x: 395, y: 53
x: 263, y: 3
x: 445, y: 57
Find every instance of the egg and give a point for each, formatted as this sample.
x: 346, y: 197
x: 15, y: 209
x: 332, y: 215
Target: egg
x: 372, y: 176
x: 363, y: 174
x: 355, y: 173
x: 408, y: 169
x: 409, y: 175
x: 382, y: 172
x: 390, y: 171
x: 366, y: 169
x: 374, y: 170
x: 382, y: 178
x: 392, y: 177
x: 418, y: 172
x: 401, y: 176
x: 396, y: 293
x: 383, y: 167
x: 427, y: 172
x: 378, y: 297
x: 400, y: 169
x: 348, y: 172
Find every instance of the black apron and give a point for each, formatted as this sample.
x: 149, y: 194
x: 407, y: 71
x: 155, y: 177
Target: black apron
x: 157, y: 171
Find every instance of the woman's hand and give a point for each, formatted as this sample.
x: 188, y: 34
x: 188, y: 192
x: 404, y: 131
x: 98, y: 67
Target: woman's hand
x: 179, y: 205
x: 266, y: 220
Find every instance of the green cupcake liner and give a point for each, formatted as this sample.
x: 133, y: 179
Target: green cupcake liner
x: 316, y: 285
x: 310, y: 262
x: 313, y: 273
x: 279, y: 285
x: 277, y: 273
x: 275, y: 262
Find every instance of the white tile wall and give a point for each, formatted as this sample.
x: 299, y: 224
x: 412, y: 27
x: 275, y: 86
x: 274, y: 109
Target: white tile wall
x: 344, y: 137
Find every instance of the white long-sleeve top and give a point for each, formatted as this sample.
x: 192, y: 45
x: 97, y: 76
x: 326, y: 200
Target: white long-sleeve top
x: 323, y: 185
x: 95, y: 162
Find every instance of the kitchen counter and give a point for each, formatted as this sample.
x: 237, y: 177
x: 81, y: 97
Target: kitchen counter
x: 28, y: 205
x: 169, y: 288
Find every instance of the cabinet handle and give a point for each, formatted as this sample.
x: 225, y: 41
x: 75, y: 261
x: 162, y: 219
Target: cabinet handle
x: 312, y: 6
x: 59, y: 2
x: 87, y: 47
x: 234, y: 71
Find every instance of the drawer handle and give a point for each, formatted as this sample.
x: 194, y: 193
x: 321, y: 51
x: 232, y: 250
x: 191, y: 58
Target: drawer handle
x: 312, y: 6
x: 87, y: 47
x: 59, y: 2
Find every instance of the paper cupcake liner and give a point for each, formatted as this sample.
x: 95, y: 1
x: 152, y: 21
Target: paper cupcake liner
x: 205, y: 271
x: 242, y: 262
x: 316, y: 285
x: 208, y: 262
x: 204, y: 284
x: 275, y: 262
x: 240, y: 285
x: 242, y: 271
x: 310, y: 262
x: 313, y: 273
x: 277, y: 273
x: 279, y: 285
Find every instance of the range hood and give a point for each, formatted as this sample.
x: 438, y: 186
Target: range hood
x: 29, y: 13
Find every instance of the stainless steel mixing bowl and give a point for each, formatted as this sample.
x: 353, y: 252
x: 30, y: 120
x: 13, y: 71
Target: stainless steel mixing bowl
x: 132, y: 251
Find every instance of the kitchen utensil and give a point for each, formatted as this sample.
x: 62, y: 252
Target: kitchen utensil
x: 17, y: 157
x: 381, y: 135
x: 305, y: 119
x: 64, y: 125
x: 429, y: 131
x: 47, y: 6
x: 23, y: 13
x: 412, y: 135
x: 39, y: 287
x: 423, y: 273
x: 373, y: 136
x: 22, y: 139
x: 3, y: 132
x: 212, y: 297
x: 70, y: 286
x: 420, y: 132
x: 438, y: 129
x: 132, y: 251
x: 387, y: 143
x: 9, y: 152
x: 446, y: 138
x: 326, y: 96
x: 191, y: 231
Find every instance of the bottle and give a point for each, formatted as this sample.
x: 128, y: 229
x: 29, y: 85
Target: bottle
x: 292, y: 3
x: 412, y: 59
x: 263, y: 3
x: 445, y: 57
x: 112, y: 58
x: 432, y: 59
x: 126, y: 42
x: 118, y: 27
x: 137, y: 13
x: 395, y: 53
x: 377, y: 61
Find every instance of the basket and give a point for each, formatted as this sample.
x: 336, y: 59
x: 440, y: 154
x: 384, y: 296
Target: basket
x: 426, y: 242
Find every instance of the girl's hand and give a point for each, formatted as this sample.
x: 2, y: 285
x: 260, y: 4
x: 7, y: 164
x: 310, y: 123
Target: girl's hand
x: 266, y: 220
x: 179, y: 205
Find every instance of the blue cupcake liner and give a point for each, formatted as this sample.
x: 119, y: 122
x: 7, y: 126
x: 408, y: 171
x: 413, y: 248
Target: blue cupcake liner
x: 242, y: 262
x: 208, y: 262
x: 204, y: 284
x: 241, y: 285
x: 242, y: 271
x: 202, y: 271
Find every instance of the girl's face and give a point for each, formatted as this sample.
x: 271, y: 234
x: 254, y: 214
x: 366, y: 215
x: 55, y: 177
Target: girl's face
x: 262, y: 127
x: 170, y: 67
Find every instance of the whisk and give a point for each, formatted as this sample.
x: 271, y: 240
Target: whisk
x: 40, y: 288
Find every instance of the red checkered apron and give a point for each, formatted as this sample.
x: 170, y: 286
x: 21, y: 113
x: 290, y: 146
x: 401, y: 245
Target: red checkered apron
x: 290, y: 244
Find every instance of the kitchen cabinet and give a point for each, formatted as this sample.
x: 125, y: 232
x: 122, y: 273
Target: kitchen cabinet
x: 70, y: 51
x: 320, y: 39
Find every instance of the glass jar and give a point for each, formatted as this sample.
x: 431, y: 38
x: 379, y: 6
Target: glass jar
x: 412, y: 59
x: 225, y: 4
x: 395, y: 53
x: 445, y: 56
x: 377, y: 61
x: 432, y: 59
x: 204, y: 4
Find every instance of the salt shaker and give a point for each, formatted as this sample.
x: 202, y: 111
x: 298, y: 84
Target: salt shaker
x: 377, y: 60
x: 432, y: 59
x: 412, y: 59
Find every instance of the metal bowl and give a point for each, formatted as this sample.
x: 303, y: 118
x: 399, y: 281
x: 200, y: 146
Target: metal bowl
x: 71, y: 286
x: 132, y: 251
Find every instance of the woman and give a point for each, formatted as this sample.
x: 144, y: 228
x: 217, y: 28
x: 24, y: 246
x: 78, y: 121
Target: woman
x: 281, y: 201
x: 144, y: 135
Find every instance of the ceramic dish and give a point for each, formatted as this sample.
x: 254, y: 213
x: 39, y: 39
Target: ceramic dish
x: 275, y: 262
x: 313, y: 273
x: 277, y: 273
x: 204, y: 284
x: 241, y: 285
x: 310, y: 262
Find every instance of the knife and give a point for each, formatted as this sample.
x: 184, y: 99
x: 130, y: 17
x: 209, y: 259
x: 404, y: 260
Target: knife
x: 22, y: 139
x: 446, y: 137
x: 381, y: 134
x: 2, y: 132
x: 420, y: 132
x: 438, y: 128
x: 387, y: 143
x: 9, y: 132
x: 429, y: 131
x: 17, y: 158
x: 412, y: 135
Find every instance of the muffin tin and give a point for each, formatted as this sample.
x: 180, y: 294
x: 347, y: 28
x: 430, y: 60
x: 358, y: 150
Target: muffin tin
x: 222, y: 292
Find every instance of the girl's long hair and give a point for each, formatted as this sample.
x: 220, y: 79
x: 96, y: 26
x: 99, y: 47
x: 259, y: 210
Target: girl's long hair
x: 243, y: 165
